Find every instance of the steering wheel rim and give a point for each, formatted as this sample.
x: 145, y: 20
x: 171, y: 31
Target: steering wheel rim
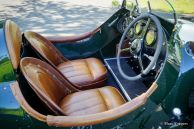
x: 157, y: 51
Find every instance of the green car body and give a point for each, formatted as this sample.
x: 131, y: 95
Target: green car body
x: 175, y: 82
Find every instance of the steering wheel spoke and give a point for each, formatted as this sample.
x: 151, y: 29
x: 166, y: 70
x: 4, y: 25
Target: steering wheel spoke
x: 145, y: 29
x: 149, y: 57
x: 140, y: 63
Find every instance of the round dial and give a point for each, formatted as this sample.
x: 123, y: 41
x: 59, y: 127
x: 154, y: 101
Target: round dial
x: 150, y: 37
x: 138, y: 28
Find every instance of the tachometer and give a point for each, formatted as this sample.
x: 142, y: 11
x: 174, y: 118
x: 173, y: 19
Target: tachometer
x: 150, y: 37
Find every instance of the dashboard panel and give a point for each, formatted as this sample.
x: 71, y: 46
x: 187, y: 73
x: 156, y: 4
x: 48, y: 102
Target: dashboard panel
x: 123, y: 23
x: 136, y: 31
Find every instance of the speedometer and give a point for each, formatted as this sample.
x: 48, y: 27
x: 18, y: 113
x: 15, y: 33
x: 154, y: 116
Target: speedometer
x: 150, y: 37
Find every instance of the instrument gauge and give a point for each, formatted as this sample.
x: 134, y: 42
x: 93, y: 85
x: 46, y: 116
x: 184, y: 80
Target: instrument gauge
x: 138, y: 28
x: 150, y: 37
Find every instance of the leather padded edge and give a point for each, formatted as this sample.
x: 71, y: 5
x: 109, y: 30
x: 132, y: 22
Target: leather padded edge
x: 152, y: 88
x: 70, y: 39
x: 24, y: 104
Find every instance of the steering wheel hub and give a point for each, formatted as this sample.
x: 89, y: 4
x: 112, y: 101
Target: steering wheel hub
x: 135, y: 47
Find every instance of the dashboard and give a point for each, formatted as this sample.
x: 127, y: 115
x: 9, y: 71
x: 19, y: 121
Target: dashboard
x: 136, y: 31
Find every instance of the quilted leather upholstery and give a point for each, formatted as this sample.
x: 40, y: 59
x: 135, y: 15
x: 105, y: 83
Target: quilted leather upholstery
x: 91, y: 101
x: 84, y: 73
x: 61, y: 97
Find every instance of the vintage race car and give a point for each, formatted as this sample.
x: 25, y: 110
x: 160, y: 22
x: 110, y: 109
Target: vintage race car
x: 134, y: 71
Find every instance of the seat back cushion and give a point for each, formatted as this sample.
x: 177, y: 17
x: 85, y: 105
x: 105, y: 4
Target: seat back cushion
x: 13, y: 37
x: 45, y: 48
x: 47, y: 83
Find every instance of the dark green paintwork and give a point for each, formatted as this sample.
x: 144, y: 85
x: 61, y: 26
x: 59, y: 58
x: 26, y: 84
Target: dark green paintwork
x: 169, y: 74
x: 6, y: 69
x: 11, y: 113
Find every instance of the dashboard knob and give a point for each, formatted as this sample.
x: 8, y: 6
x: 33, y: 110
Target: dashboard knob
x: 177, y: 112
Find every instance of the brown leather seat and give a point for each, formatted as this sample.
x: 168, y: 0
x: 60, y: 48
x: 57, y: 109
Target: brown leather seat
x: 83, y: 73
x: 13, y: 37
x: 91, y: 101
x: 61, y: 97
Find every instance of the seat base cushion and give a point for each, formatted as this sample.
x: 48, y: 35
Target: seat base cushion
x: 91, y: 101
x: 84, y: 73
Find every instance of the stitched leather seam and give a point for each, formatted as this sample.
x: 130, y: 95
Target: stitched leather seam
x: 72, y: 76
x: 103, y: 99
x: 91, y: 84
x: 72, y: 64
x: 74, y: 71
x: 85, y: 108
x: 78, y: 101
x: 102, y: 78
x: 86, y: 62
x: 75, y: 68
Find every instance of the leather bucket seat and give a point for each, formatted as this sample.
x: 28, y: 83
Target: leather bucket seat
x: 61, y: 97
x: 83, y: 73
